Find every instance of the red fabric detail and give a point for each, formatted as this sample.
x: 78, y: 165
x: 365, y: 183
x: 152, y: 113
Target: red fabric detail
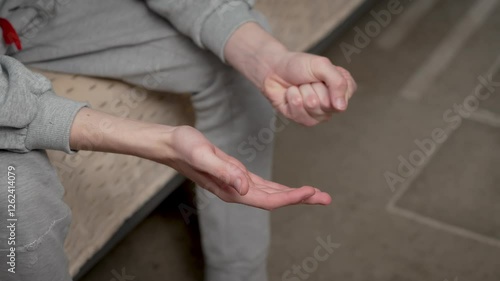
x: 9, y: 34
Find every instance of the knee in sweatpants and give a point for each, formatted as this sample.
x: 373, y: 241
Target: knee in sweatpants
x: 234, y: 104
x: 33, y: 245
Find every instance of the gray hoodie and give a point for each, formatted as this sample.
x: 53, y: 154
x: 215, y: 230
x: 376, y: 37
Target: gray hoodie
x: 31, y: 115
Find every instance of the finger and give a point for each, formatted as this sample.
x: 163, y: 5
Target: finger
x: 319, y: 198
x: 270, y: 184
x: 312, y: 102
x: 215, y: 186
x: 325, y: 71
x: 278, y: 200
x: 296, y: 107
x: 351, y: 84
x: 207, y: 161
x: 203, y: 180
x: 221, y: 154
x: 322, y: 92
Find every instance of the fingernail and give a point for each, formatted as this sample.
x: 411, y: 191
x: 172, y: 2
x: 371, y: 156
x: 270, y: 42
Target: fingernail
x: 237, y: 185
x: 340, y: 103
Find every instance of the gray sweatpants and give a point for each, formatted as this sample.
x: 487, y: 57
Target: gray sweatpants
x: 229, y: 110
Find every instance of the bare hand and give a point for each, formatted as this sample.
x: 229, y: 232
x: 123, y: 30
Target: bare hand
x: 195, y: 157
x: 307, y: 88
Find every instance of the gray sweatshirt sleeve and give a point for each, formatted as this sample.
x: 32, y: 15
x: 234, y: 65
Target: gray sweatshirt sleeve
x: 31, y: 115
x: 209, y: 23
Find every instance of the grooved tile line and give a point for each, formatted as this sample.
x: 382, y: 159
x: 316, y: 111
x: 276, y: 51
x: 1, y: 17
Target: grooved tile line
x: 393, y: 209
x: 479, y: 115
x: 431, y: 222
x: 439, y: 60
x: 459, y: 231
x: 485, y: 117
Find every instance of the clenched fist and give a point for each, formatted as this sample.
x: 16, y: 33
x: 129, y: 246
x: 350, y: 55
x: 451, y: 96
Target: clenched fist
x: 304, y: 87
x: 307, y: 88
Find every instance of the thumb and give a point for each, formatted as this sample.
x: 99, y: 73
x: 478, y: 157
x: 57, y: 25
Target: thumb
x: 224, y: 171
x: 337, y: 84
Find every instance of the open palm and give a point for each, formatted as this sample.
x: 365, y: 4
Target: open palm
x: 195, y: 157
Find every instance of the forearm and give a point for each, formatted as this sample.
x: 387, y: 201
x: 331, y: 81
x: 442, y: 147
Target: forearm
x: 253, y: 51
x: 97, y: 131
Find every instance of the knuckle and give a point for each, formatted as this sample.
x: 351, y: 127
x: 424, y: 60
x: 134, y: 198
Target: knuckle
x: 311, y: 102
x: 296, y: 101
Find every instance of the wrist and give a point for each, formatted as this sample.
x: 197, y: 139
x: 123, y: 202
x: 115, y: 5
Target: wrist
x: 96, y: 131
x: 254, y: 52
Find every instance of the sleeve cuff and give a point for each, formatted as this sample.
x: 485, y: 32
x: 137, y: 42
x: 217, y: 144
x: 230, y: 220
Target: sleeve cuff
x: 51, y: 127
x: 220, y: 25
